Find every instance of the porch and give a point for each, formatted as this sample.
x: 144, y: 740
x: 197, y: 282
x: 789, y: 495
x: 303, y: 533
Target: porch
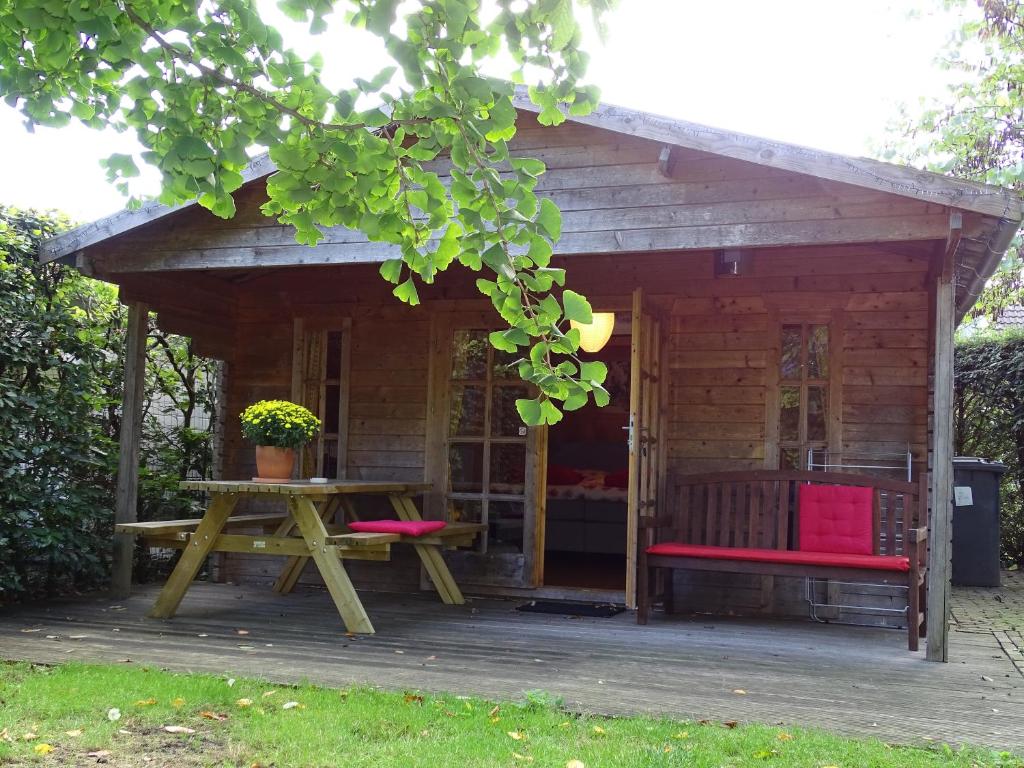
x: 852, y: 680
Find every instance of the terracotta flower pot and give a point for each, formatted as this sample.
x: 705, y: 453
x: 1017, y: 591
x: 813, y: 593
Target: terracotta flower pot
x: 274, y: 465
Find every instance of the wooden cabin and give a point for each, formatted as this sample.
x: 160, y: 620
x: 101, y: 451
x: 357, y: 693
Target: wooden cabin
x: 775, y: 306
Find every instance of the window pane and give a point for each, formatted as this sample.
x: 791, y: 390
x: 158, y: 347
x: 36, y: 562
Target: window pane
x: 330, y: 458
x: 467, y: 412
x: 816, y: 416
x: 791, y: 343
x: 333, y: 355
x: 469, y: 354
x: 332, y: 396
x: 817, y: 352
x: 466, y: 467
x: 465, y: 510
x: 508, y: 467
x: 506, y: 365
x: 791, y: 459
x: 789, y: 414
x: 505, y: 420
x: 505, y: 526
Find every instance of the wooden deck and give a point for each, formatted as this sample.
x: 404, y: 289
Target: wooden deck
x: 848, y: 679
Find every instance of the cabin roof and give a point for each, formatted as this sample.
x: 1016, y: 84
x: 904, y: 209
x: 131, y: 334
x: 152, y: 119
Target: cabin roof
x: 1000, y: 209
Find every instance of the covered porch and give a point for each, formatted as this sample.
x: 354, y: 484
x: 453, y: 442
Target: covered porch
x: 846, y: 679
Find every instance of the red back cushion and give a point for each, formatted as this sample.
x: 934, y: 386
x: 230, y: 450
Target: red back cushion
x: 402, y: 527
x: 836, y: 518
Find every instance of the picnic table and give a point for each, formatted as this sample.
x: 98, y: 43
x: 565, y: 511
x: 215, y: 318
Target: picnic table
x: 301, y: 533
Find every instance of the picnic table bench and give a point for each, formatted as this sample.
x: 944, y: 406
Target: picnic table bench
x: 826, y: 525
x: 302, y: 533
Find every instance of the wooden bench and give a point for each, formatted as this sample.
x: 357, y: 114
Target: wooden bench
x: 162, y: 528
x: 750, y: 522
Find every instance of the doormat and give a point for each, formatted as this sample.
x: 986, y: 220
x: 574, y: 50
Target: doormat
x: 590, y: 610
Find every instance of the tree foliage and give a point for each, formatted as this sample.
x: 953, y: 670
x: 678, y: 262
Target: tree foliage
x: 415, y: 156
x: 988, y: 420
x: 61, y: 369
x: 54, y: 459
x: 977, y: 131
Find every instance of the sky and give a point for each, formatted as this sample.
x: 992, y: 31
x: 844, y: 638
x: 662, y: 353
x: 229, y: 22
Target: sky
x: 829, y: 74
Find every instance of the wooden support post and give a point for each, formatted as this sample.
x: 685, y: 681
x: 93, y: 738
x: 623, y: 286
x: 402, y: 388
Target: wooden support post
x: 940, y: 536
x: 126, y: 500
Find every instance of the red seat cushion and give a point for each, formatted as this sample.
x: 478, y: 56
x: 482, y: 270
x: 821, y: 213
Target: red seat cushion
x: 843, y: 560
x: 402, y: 527
x: 562, y: 475
x: 836, y: 519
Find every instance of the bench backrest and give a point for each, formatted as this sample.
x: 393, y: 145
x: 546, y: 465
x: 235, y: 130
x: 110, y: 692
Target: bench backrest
x: 760, y: 509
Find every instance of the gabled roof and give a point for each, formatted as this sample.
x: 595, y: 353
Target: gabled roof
x: 862, y: 172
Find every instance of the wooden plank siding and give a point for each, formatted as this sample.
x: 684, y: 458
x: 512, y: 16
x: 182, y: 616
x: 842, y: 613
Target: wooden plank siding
x: 719, y: 332
x: 817, y: 248
x: 613, y: 197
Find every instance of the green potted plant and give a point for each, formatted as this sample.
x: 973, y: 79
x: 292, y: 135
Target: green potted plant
x: 277, y: 428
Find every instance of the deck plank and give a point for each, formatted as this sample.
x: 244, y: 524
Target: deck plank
x: 853, y: 680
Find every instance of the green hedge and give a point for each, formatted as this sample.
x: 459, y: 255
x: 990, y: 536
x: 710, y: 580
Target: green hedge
x: 988, y: 418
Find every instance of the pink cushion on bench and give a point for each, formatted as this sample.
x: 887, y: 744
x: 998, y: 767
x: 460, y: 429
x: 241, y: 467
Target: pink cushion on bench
x: 842, y: 560
x: 401, y: 527
x: 836, y: 519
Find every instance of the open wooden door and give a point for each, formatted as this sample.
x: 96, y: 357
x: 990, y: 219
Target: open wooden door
x: 645, y: 443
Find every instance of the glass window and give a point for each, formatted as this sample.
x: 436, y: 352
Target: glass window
x: 817, y: 352
x: 803, y: 394
x: 468, y: 411
x: 470, y: 350
x: 486, y: 441
x: 792, y: 336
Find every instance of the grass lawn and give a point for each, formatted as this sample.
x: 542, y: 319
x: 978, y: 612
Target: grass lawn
x: 120, y: 714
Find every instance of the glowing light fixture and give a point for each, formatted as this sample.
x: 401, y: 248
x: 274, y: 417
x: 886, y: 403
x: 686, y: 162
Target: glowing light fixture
x: 594, y: 335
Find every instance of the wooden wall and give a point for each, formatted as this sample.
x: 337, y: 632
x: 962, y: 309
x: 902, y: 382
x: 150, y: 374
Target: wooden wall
x: 720, y: 336
x: 236, y: 286
x: 613, y: 198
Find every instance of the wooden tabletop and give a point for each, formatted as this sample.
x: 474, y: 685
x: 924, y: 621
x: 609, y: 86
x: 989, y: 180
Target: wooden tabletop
x: 304, y: 487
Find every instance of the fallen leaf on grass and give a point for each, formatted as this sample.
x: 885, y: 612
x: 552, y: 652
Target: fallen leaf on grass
x: 145, y: 702
x: 29, y: 736
x: 516, y: 735
x: 231, y: 680
x: 730, y: 723
x: 524, y: 758
x: 178, y: 703
x: 6, y: 736
x: 667, y: 749
x: 682, y: 735
x: 495, y: 720
x: 243, y: 703
x: 599, y: 731
x: 413, y: 698
x: 178, y: 729
x: 765, y: 754
x: 207, y: 714
x: 575, y: 764
x: 113, y: 714
x: 268, y: 693
x: 784, y: 737
x: 292, y: 705
x: 42, y: 749
x: 73, y: 733
x: 494, y: 711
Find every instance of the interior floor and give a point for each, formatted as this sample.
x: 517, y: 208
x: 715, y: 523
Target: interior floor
x: 584, y: 569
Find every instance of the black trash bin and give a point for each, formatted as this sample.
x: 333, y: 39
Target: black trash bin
x: 976, y: 524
